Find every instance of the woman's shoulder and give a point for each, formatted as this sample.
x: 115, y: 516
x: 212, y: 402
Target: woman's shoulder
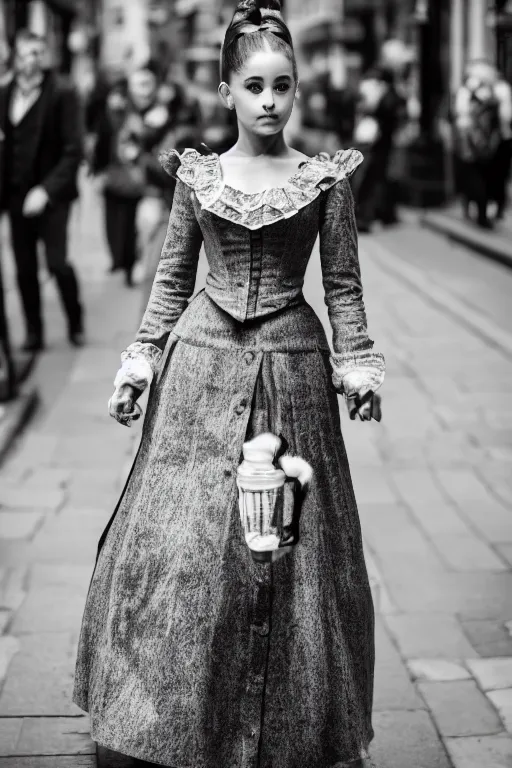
x: 344, y: 161
x: 188, y: 161
x: 324, y: 171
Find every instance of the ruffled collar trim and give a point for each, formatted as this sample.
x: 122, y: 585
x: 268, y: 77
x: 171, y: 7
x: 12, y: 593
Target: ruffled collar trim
x: 203, y: 174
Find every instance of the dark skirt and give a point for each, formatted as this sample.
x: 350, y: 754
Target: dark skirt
x: 191, y: 655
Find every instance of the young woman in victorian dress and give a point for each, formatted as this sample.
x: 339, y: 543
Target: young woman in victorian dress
x: 192, y: 655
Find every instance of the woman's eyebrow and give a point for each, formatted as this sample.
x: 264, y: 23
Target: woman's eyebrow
x: 253, y: 77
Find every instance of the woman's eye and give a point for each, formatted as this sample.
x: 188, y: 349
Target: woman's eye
x: 254, y: 88
x: 282, y: 87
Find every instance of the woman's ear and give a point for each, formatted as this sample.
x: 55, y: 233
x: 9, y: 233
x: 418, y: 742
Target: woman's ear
x: 225, y: 95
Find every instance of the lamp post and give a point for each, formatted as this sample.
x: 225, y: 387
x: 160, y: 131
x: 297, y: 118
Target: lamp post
x: 427, y: 154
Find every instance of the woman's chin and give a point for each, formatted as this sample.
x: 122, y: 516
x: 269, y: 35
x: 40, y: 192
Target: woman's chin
x: 269, y: 128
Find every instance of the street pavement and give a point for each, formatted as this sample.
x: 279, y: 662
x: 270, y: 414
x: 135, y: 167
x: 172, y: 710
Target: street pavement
x: 433, y: 483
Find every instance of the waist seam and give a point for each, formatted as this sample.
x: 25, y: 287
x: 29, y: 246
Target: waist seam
x: 252, y: 347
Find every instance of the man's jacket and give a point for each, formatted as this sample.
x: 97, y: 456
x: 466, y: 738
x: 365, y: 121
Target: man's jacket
x: 55, y: 149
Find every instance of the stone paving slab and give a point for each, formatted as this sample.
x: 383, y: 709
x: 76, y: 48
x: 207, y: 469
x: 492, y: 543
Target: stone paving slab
x: 459, y: 708
x: 492, y: 674
x: 491, y: 518
x: 19, y: 524
x: 437, y: 670
x: 429, y: 636
x: 14, y: 416
x: 40, y: 677
x: 61, y: 761
x: 468, y: 553
x: 9, y: 647
x: 51, y: 609
x: 45, y: 736
x: 473, y: 596
x: 393, y: 687
x: 488, y: 638
x: 481, y: 751
x: 407, y: 739
x: 502, y: 700
x: 13, y: 586
x: 68, y: 537
x: 30, y: 498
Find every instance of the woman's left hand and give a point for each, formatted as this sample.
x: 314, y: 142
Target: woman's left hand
x: 366, y: 406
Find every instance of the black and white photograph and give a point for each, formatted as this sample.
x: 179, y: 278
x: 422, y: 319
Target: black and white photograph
x: 255, y: 383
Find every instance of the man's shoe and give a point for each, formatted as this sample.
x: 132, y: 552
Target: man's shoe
x: 77, y: 338
x: 33, y: 344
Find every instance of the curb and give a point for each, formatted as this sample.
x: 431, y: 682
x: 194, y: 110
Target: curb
x: 463, y: 233
x: 433, y: 293
x: 15, y: 415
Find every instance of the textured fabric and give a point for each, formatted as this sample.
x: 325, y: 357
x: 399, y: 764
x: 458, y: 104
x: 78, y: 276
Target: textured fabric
x: 20, y: 172
x: 191, y: 655
x: 22, y: 101
x: 204, y: 175
x: 253, y: 273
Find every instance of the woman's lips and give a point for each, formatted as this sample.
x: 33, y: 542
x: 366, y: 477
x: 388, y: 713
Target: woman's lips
x: 268, y: 117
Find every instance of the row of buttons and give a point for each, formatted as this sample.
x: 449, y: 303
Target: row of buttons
x: 240, y: 408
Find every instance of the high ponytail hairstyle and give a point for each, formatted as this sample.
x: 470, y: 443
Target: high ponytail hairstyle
x: 254, y: 24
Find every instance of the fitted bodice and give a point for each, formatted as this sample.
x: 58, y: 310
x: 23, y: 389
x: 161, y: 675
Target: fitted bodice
x: 255, y: 272
x: 258, y: 247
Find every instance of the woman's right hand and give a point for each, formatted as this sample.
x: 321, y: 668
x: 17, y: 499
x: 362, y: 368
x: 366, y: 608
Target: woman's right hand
x: 122, y: 406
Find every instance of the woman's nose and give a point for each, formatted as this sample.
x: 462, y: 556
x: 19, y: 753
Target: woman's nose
x: 268, y: 99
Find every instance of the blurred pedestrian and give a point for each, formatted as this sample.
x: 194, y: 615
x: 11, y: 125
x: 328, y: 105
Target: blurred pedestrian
x: 41, y: 122
x: 500, y: 176
x: 477, y: 138
x: 379, y: 113
x: 396, y: 58
x: 176, y: 123
x: 321, y: 126
x: 117, y: 158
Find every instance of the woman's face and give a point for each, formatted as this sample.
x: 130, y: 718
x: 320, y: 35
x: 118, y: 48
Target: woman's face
x: 263, y: 92
x: 142, y: 88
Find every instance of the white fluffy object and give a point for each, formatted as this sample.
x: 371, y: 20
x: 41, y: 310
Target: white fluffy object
x: 294, y: 466
x: 135, y: 371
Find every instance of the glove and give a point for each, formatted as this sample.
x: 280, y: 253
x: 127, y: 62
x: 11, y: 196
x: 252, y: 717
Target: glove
x: 122, y: 406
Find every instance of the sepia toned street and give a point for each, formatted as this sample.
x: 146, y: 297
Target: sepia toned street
x: 432, y: 480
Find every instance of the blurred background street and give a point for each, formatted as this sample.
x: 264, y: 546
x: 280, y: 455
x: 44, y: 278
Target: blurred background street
x: 433, y: 480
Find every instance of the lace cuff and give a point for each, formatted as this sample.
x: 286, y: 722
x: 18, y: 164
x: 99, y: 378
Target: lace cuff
x: 357, y: 372
x: 139, y: 364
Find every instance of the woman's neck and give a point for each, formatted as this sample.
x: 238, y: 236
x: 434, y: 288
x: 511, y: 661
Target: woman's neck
x: 251, y: 145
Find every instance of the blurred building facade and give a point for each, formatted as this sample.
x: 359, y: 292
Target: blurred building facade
x: 480, y: 29
x: 55, y: 19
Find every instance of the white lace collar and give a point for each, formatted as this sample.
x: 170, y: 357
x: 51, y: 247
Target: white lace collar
x: 203, y: 174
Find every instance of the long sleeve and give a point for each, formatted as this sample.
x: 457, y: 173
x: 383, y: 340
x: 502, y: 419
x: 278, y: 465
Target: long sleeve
x: 71, y: 142
x: 355, y: 365
x: 172, y: 288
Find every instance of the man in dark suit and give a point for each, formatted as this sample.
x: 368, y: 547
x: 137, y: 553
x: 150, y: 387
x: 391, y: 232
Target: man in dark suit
x: 41, y: 144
